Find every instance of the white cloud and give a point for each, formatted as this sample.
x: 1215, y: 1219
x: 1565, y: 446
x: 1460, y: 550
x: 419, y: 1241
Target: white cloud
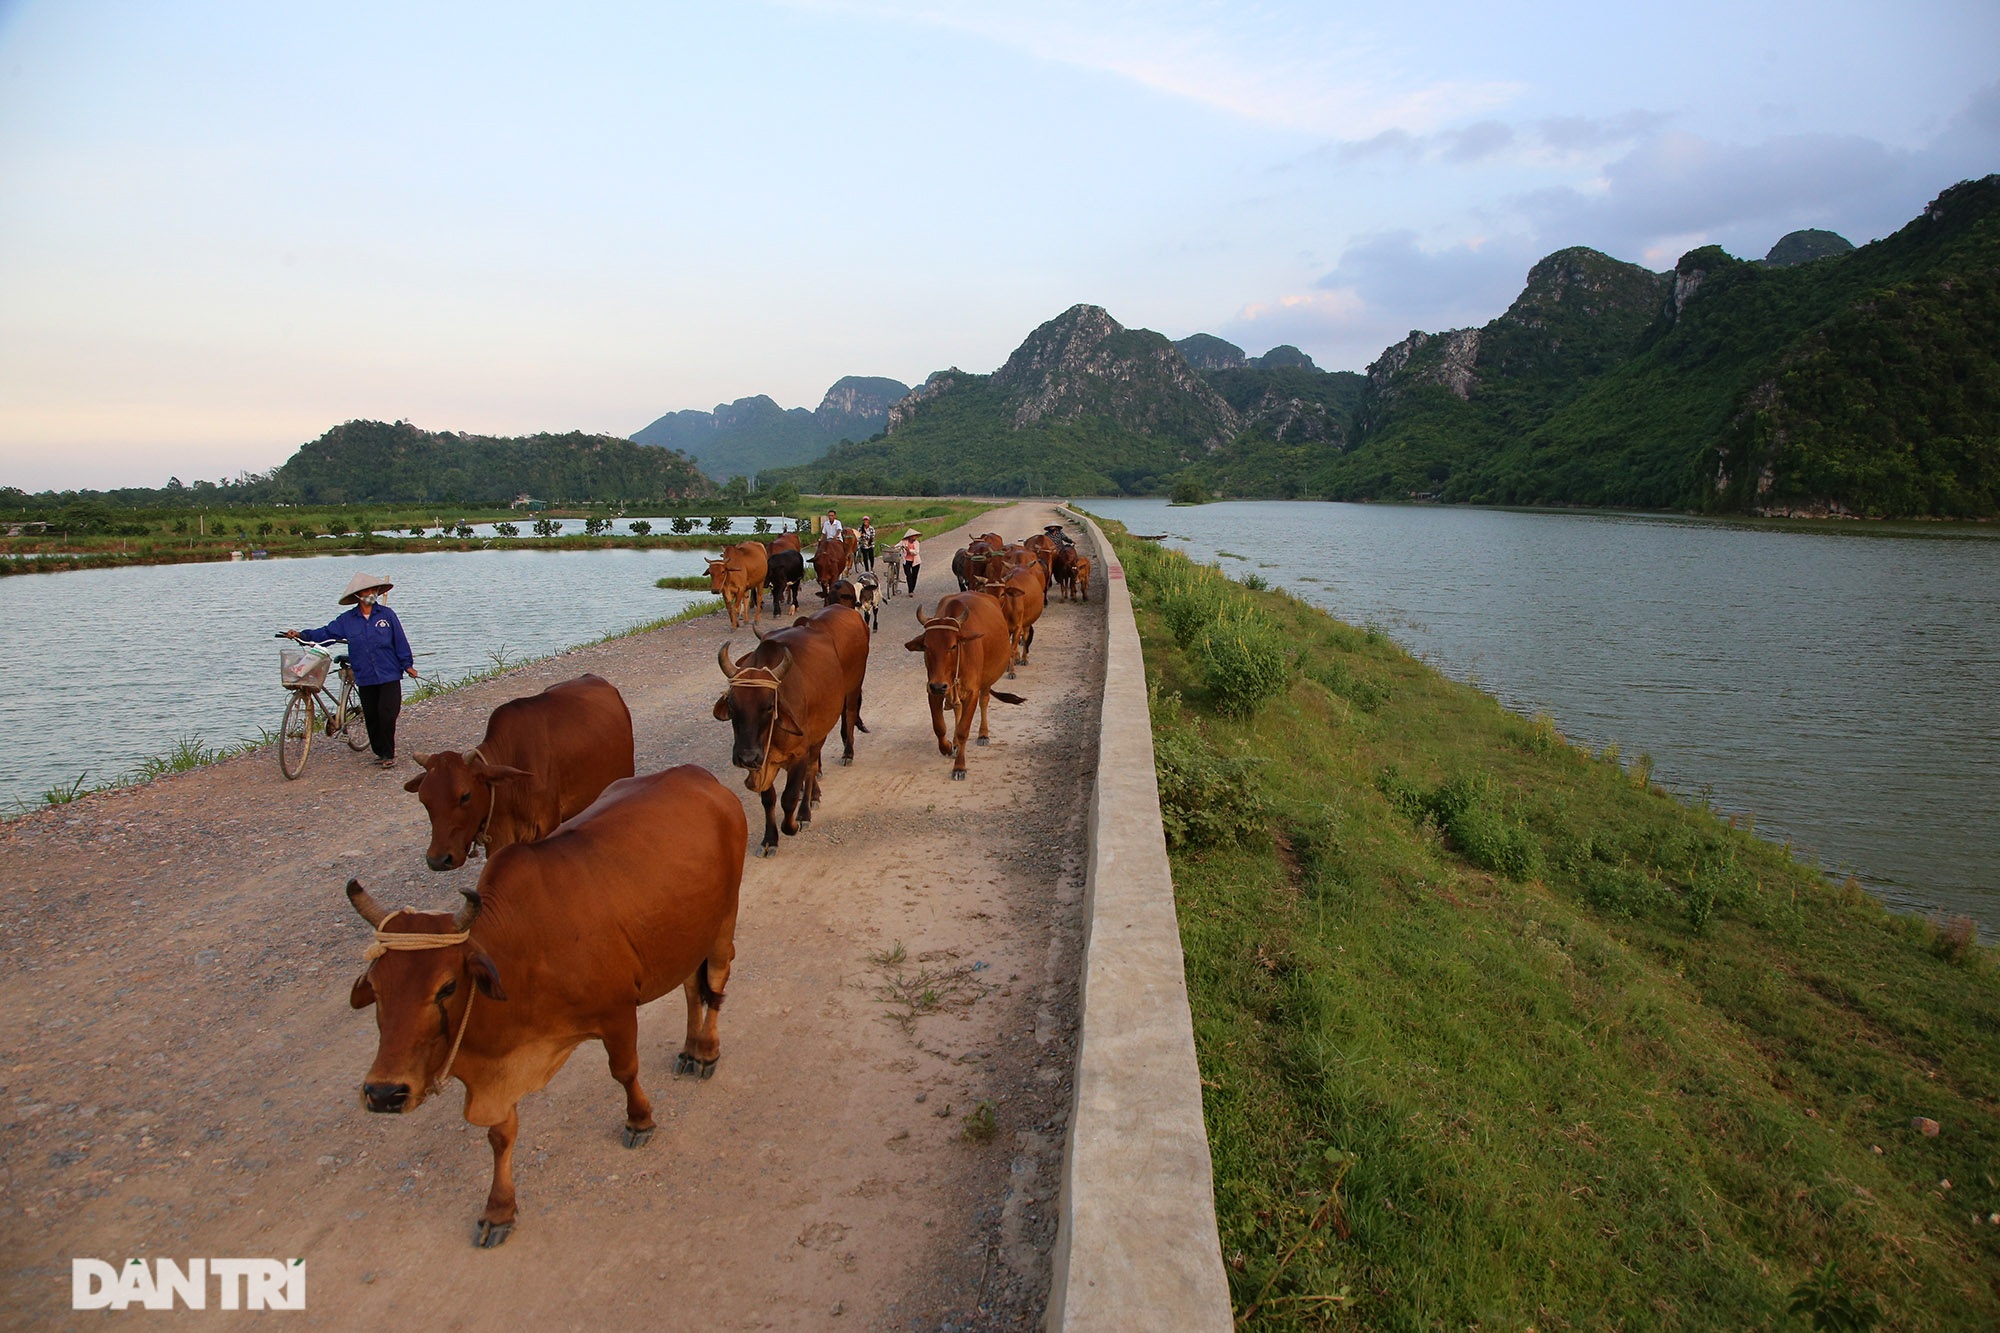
x: 1313, y: 71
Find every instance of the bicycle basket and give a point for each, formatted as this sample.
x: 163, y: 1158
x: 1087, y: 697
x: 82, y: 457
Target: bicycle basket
x: 303, y: 666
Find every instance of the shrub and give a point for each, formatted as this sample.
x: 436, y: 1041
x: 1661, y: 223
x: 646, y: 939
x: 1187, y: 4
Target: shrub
x: 1188, y: 491
x: 760, y: 527
x: 1955, y: 940
x: 1245, y: 660
x: 640, y: 527
x: 1206, y: 797
x: 506, y: 529
x: 547, y: 527
x: 719, y: 524
x: 682, y: 524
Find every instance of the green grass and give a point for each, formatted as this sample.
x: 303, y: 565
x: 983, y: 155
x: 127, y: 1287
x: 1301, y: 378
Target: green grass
x: 1494, y: 1033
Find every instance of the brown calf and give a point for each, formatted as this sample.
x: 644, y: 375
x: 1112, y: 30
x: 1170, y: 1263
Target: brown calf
x: 543, y: 758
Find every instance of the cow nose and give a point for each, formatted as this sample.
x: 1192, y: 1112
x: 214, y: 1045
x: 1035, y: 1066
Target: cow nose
x: 440, y: 861
x: 386, y: 1098
x: 937, y: 689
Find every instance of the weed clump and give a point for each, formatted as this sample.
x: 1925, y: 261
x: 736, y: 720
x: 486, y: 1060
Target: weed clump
x: 1207, y: 798
x: 1245, y: 660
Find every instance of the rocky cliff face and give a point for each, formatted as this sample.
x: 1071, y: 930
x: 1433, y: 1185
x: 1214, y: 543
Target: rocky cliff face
x: 857, y: 406
x: 1083, y: 363
x: 937, y: 382
x: 1448, y: 359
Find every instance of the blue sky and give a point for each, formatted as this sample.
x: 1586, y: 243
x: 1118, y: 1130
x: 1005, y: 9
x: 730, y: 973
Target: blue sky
x: 226, y: 226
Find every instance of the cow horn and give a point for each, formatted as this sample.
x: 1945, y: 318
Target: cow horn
x: 469, y: 912
x: 758, y: 632
x: 920, y: 615
x: 784, y: 665
x: 364, y: 903
x: 722, y: 660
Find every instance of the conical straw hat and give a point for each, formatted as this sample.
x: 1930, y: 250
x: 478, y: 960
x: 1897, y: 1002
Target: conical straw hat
x: 361, y: 583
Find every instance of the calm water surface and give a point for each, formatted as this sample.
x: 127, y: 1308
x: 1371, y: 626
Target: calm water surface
x: 101, y: 668
x: 1840, y: 685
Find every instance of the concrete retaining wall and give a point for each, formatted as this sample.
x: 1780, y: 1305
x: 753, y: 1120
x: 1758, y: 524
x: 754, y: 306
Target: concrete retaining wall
x: 1136, y: 1244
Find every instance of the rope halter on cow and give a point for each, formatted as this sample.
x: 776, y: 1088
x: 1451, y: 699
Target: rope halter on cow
x: 482, y: 839
x: 955, y: 693
x: 410, y: 941
x: 740, y: 678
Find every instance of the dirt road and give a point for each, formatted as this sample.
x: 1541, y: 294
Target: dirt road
x: 179, y: 1066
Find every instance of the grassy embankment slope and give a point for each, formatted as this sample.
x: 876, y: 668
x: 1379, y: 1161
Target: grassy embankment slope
x: 1494, y: 1033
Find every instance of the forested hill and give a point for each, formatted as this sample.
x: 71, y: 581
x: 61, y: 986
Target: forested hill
x: 372, y: 461
x: 1086, y: 405
x: 753, y: 434
x: 1824, y: 379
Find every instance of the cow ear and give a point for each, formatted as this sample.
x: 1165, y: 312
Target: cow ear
x: 499, y: 772
x: 916, y: 645
x: 722, y: 709
x: 363, y: 993
x: 485, y: 975
x: 415, y: 782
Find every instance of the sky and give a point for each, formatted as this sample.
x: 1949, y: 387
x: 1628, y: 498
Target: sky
x: 227, y: 225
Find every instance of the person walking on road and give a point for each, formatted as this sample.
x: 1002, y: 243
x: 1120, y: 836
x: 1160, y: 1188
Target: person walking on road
x: 912, y: 557
x: 379, y: 654
x: 867, y: 546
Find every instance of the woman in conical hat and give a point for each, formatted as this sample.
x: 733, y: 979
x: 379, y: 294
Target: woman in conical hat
x: 379, y: 654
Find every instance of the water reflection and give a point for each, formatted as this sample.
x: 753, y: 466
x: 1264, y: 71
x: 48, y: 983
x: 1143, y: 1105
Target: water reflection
x: 1836, y: 683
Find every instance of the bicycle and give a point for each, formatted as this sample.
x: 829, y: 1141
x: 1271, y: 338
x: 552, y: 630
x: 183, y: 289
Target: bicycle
x: 302, y: 670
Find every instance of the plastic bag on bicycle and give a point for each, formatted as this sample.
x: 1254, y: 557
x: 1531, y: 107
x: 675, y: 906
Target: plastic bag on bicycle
x: 303, y: 666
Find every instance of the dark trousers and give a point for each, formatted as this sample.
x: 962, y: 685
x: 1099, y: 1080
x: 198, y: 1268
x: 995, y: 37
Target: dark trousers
x: 380, y: 707
x: 868, y: 558
x: 910, y: 572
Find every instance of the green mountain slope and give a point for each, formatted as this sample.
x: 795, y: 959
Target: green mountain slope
x: 750, y: 435
x: 373, y: 461
x: 1084, y: 405
x: 1858, y: 383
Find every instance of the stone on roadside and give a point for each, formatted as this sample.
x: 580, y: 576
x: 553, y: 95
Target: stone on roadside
x: 1925, y: 1126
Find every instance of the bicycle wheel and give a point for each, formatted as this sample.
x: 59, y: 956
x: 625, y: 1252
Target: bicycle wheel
x: 295, y: 737
x: 348, y: 721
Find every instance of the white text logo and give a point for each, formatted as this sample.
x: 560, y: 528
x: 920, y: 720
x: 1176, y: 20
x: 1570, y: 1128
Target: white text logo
x: 240, y: 1284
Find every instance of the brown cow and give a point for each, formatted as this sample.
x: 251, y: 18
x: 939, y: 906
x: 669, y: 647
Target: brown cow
x: 979, y: 555
x: 965, y: 650
x: 1044, y: 547
x: 1022, y: 599
x: 543, y: 759
x: 738, y: 578
x: 1064, y: 569
x: 784, y: 698
x: 562, y: 941
x: 851, y: 539
x: 785, y: 541
x: 830, y: 561
x: 1083, y: 578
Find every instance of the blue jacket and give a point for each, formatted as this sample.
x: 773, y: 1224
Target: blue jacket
x: 375, y: 646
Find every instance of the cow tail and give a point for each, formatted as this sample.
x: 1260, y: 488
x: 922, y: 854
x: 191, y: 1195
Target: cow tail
x: 709, y: 995
x: 1007, y: 698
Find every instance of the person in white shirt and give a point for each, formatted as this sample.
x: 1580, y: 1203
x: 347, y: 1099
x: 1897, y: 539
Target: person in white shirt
x: 830, y: 526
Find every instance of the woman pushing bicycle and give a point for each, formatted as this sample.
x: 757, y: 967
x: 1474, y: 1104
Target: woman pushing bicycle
x: 380, y: 655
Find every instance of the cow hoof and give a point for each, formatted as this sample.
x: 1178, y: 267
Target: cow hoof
x: 491, y: 1235
x: 958, y: 775
x: 687, y: 1064
x: 636, y: 1138
x: 708, y: 1069
x: 763, y: 850
x: 982, y: 741
x: 1010, y: 673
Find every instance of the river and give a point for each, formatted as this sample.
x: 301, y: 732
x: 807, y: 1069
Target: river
x: 1836, y: 682
x: 103, y: 668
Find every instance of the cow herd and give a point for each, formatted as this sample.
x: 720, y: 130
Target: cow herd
x: 602, y: 890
